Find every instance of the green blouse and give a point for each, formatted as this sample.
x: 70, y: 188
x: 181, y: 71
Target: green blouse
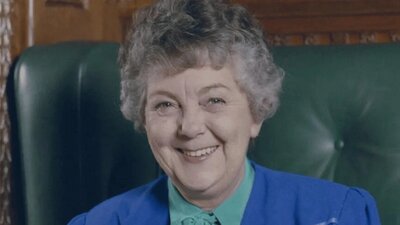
x: 230, y: 212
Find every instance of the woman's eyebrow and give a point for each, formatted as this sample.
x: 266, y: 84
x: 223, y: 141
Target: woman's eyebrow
x: 211, y: 87
x: 162, y: 93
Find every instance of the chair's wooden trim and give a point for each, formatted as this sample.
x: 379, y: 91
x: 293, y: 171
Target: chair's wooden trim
x: 6, y: 32
x: 332, y: 38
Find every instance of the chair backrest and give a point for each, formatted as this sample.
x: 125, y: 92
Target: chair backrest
x: 75, y: 147
x: 339, y: 120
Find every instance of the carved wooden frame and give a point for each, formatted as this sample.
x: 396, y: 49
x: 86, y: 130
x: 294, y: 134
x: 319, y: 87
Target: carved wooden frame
x: 74, y: 3
x: 316, y: 22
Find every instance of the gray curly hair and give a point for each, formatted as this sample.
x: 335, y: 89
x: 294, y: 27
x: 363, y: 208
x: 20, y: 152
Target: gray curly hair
x: 174, y: 35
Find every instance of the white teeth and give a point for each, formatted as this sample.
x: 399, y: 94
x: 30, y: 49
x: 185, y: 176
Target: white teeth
x: 200, y: 152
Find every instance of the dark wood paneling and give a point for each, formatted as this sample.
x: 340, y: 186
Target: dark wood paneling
x: 316, y: 22
x: 74, y: 3
x: 312, y: 8
x: 286, y: 22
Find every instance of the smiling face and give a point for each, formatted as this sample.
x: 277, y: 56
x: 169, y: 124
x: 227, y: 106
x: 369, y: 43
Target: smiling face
x: 199, y: 124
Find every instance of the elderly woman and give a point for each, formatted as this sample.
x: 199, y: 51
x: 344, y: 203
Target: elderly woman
x: 198, y: 79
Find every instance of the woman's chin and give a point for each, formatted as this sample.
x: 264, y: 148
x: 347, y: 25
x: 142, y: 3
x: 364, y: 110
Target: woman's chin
x: 198, y: 185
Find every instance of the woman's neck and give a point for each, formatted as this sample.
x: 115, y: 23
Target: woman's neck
x: 208, y: 200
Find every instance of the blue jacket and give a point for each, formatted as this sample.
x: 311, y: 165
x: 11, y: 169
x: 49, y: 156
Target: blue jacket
x: 277, y: 198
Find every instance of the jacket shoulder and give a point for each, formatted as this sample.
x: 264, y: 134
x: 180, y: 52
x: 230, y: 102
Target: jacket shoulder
x: 300, y: 184
x: 313, y: 200
x: 114, y: 210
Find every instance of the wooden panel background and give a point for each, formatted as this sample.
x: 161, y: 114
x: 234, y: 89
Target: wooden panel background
x: 287, y: 22
x: 314, y: 22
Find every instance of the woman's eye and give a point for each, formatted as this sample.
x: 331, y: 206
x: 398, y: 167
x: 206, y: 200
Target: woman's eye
x: 165, y: 108
x: 214, y: 104
x: 163, y: 105
x: 216, y: 101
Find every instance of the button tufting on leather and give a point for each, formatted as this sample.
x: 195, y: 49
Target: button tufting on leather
x: 339, y: 144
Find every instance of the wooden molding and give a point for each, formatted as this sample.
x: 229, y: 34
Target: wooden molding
x: 84, y: 4
x: 311, y: 8
x: 312, y: 22
x: 333, y: 38
x: 331, y: 24
x: 6, y: 46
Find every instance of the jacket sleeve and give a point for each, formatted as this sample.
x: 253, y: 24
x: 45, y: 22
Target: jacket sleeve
x: 78, y: 220
x: 359, y: 208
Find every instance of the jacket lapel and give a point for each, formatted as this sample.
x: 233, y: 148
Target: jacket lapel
x: 152, y: 208
x: 254, y: 213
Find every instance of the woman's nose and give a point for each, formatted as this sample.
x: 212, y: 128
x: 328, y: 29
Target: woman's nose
x: 191, y: 123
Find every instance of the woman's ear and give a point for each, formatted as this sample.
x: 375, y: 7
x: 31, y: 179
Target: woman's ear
x: 255, y: 129
x: 144, y: 125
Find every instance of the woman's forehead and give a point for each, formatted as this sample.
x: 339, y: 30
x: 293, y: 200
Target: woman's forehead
x: 164, y: 64
x: 199, y: 80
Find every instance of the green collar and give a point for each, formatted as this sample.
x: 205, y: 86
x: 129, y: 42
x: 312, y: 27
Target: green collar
x: 230, y: 212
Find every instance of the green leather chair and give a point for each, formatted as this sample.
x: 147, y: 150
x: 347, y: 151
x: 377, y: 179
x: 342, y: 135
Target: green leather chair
x: 339, y: 120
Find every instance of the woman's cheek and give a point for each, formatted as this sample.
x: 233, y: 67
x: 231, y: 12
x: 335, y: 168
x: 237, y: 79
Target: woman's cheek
x: 220, y: 125
x: 161, y: 129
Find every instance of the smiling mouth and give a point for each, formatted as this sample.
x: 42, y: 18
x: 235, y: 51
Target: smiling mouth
x: 200, y: 152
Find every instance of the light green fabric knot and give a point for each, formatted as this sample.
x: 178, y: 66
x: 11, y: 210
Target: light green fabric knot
x: 201, y: 219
